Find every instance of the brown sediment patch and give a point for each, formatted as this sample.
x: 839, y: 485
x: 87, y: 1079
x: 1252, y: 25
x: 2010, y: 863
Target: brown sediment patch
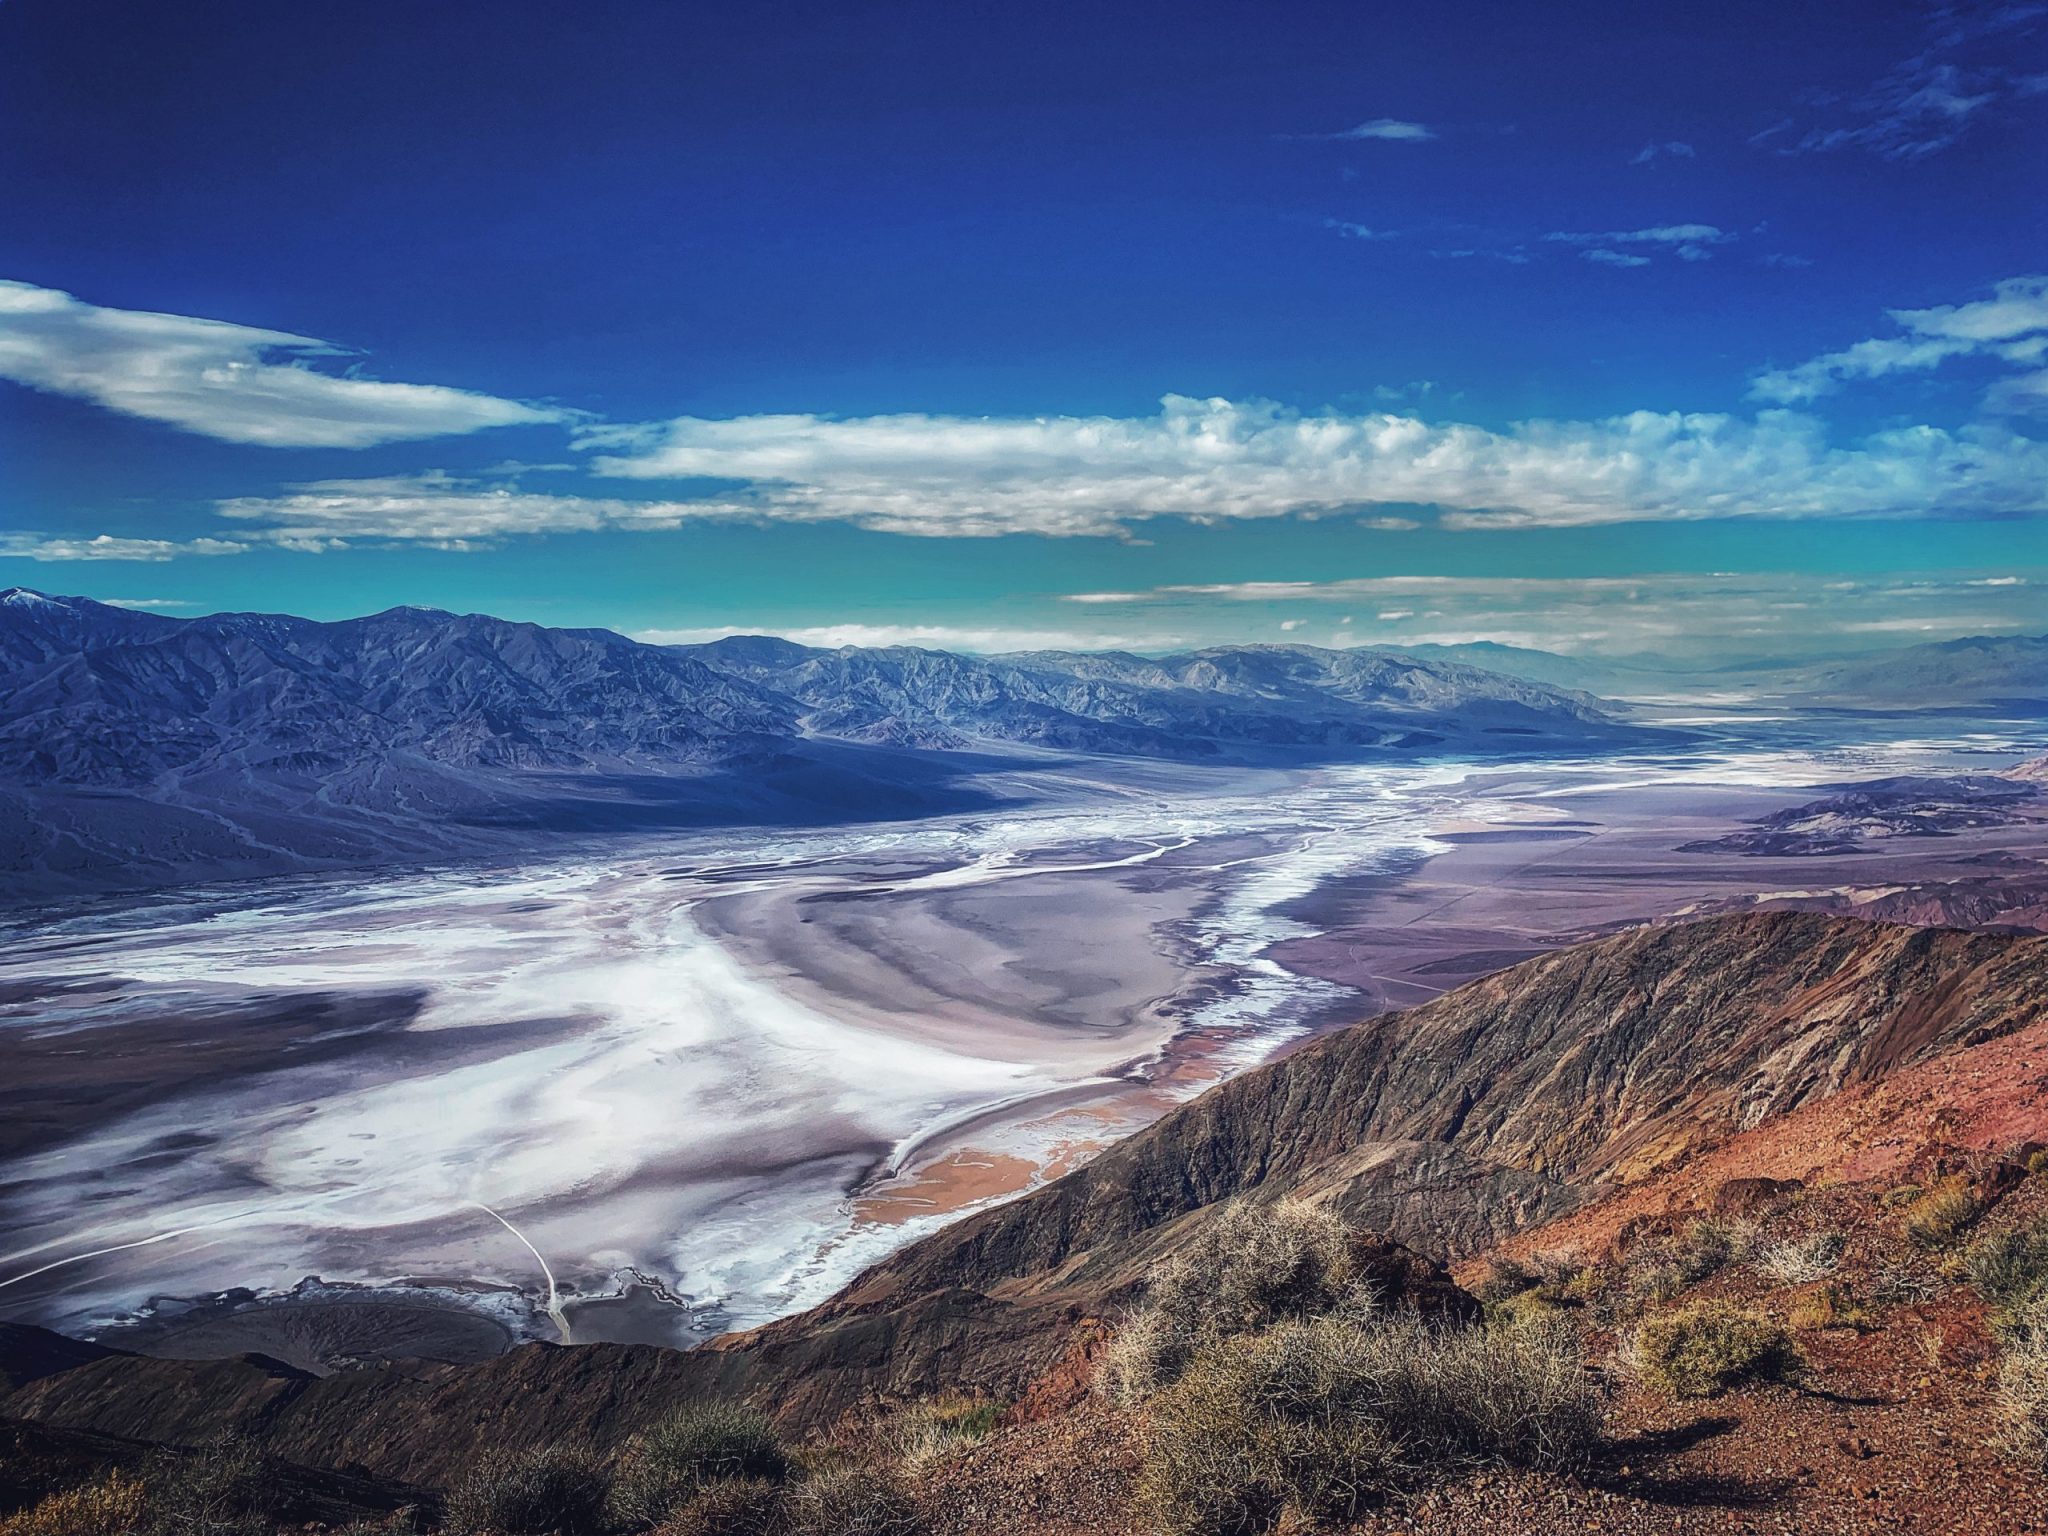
x: 963, y: 1177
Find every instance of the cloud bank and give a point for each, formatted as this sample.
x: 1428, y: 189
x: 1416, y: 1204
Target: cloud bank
x: 1755, y: 615
x: 1216, y: 459
x: 48, y: 547
x: 225, y: 381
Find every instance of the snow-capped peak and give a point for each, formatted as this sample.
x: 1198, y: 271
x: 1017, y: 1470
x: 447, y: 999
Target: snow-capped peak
x: 23, y: 597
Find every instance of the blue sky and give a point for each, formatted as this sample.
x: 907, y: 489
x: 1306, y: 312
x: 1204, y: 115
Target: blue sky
x: 1602, y: 327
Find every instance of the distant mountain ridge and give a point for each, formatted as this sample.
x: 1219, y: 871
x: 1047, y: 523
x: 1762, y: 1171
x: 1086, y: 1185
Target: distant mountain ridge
x: 138, y: 749
x: 1190, y: 704
x: 2005, y: 670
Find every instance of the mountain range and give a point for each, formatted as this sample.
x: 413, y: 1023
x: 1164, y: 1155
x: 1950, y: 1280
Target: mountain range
x: 138, y: 749
x: 2009, y: 672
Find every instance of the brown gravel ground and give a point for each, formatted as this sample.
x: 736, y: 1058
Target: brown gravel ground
x: 1893, y: 1429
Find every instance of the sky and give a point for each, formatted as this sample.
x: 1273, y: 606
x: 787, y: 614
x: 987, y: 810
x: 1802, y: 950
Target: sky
x: 1711, y: 331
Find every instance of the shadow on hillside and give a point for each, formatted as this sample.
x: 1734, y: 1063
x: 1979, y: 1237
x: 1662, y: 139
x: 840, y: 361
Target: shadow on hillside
x: 1679, y: 1489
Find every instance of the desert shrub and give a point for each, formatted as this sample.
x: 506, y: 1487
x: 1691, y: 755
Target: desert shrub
x: 1903, y: 1194
x: 1503, y: 1279
x: 1251, y: 1266
x: 1708, y: 1245
x: 1829, y: 1307
x: 694, y: 1447
x: 1901, y: 1284
x: 113, y: 1506
x: 1531, y: 1306
x: 1803, y: 1260
x: 1325, y: 1416
x: 930, y: 1429
x: 1660, y: 1271
x: 850, y: 1501
x: 2007, y: 1267
x: 738, y: 1506
x: 1709, y: 1346
x: 1939, y: 1217
x: 225, y: 1488
x: 2023, y: 1381
x: 554, y: 1490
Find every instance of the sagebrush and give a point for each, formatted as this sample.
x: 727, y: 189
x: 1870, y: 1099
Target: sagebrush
x: 1250, y: 1267
x: 1318, y: 1418
x: 555, y: 1490
x: 1707, y: 1347
x: 698, y: 1445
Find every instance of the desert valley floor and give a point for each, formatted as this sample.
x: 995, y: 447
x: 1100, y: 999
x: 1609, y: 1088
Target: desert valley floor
x: 650, y: 1093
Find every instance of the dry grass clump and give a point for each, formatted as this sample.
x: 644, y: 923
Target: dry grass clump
x: 1706, y: 1347
x: 1503, y: 1280
x: 1939, y: 1217
x: 2023, y: 1380
x: 2005, y: 1268
x: 697, y: 1446
x: 1829, y: 1307
x: 851, y: 1500
x: 1662, y: 1270
x: 1902, y: 1284
x: 113, y: 1506
x: 554, y: 1490
x: 739, y: 1506
x: 1252, y: 1266
x: 225, y: 1488
x: 1319, y: 1418
x: 1803, y: 1260
x: 925, y: 1431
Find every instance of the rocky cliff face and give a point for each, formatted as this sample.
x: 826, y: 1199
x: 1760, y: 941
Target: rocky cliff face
x: 1518, y: 1099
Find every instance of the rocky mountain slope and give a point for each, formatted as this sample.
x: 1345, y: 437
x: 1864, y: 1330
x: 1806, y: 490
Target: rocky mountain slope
x: 137, y: 749
x: 1855, y: 815
x: 1527, y: 1098
x: 2006, y: 669
x: 1213, y: 703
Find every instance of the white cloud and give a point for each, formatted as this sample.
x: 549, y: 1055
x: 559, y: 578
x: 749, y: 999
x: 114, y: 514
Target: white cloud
x: 1688, y: 242
x: 1772, y: 613
x: 1215, y: 459
x: 148, y: 603
x: 1389, y: 129
x: 2026, y: 394
x: 1656, y: 149
x: 1659, y: 234
x: 231, y: 382
x: 45, y: 547
x: 2010, y: 326
x: 437, y: 509
x: 1349, y: 231
x: 938, y: 637
x: 1976, y: 58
